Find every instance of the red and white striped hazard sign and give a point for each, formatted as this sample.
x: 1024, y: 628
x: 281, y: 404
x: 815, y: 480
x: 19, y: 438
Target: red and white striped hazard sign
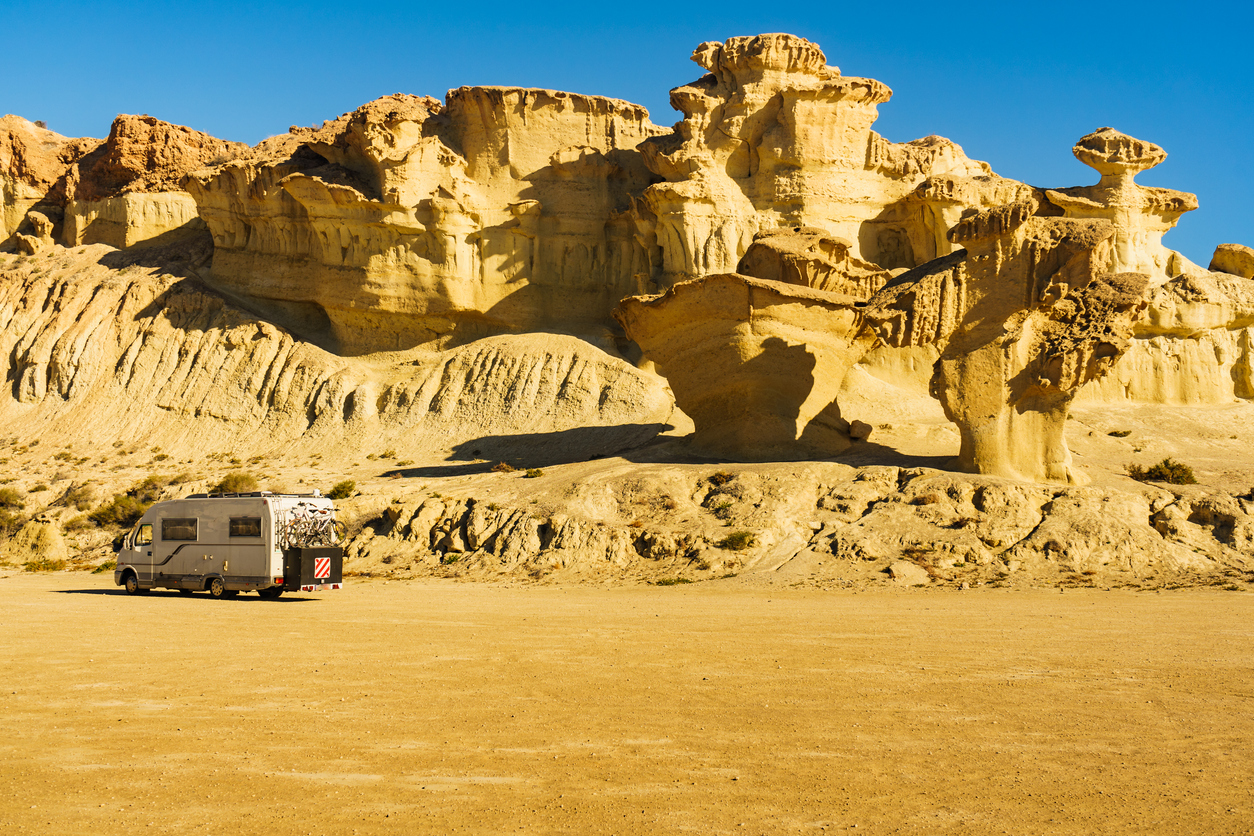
x: 322, y: 567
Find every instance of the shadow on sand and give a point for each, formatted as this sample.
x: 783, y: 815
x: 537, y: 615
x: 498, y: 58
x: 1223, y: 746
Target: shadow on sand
x: 174, y: 593
x: 583, y: 444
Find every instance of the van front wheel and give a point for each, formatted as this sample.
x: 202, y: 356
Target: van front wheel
x: 130, y: 582
x: 217, y: 588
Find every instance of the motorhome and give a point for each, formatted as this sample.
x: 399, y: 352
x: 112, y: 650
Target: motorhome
x: 230, y: 543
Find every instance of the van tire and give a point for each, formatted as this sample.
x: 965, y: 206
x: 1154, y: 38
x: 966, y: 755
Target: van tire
x: 270, y: 593
x: 130, y: 582
x: 217, y: 588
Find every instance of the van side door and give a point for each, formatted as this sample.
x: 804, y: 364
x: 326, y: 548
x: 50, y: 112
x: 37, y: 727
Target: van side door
x: 177, y: 549
x: 139, y: 551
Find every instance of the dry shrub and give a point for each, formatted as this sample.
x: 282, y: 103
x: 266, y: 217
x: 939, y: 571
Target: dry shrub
x: 1168, y: 470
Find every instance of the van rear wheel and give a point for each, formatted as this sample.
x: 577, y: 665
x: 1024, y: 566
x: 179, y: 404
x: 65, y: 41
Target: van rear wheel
x: 217, y: 588
x: 270, y: 593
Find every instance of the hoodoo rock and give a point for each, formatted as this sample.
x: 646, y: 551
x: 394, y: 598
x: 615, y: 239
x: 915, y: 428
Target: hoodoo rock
x: 755, y: 364
x: 775, y: 137
x: 1024, y: 316
x: 1140, y: 214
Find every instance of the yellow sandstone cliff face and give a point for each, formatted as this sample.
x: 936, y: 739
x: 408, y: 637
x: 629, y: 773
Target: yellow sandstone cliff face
x: 98, y: 346
x: 412, y: 222
x: 122, y: 191
x: 34, y: 165
x: 421, y: 226
x: 408, y: 222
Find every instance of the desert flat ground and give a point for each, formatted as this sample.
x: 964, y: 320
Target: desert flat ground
x: 442, y: 707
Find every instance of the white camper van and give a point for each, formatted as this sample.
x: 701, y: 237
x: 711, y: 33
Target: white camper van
x: 232, y: 543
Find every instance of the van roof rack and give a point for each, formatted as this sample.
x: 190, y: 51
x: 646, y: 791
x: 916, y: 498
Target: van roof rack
x: 314, y: 493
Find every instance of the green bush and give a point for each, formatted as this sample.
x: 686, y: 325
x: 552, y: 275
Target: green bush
x: 43, y: 564
x: 719, y: 479
x: 10, y: 522
x: 1168, y: 470
x: 533, y: 473
x: 738, y: 541
x: 108, y: 566
x: 80, y: 496
x: 76, y: 524
x: 236, y: 482
x: 150, y: 489
x: 672, y: 581
x: 342, y: 490
x: 10, y: 498
x: 123, y: 510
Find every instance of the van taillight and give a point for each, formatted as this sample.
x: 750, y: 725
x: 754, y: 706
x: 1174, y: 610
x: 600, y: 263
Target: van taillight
x: 278, y: 581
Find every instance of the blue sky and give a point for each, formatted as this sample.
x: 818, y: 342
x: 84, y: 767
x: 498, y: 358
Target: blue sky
x: 1013, y: 83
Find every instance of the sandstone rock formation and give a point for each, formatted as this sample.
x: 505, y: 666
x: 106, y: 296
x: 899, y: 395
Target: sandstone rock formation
x: 1140, y: 214
x: 1235, y: 259
x: 123, y: 191
x: 127, y: 193
x: 1023, y: 317
x: 428, y: 223
x: 1193, y: 345
x: 824, y: 523
x: 436, y: 278
x: 811, y: 258
x: 755, y: 364
x: 34, y: 163
x: 410, y: 222
x: 41, y: 237
x: 774, y: 137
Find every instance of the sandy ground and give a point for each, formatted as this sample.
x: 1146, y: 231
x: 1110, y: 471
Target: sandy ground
x: 442, y: 707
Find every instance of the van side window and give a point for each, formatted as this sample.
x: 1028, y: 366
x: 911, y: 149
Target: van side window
x: 178, y: 528
x: 143, y: 537
x: 245, y: 526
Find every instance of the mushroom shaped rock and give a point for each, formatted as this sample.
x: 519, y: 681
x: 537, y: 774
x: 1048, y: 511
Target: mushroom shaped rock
x: 811, y: 258
x: 1235, y: 259
x: 755, y: 364
x: 1140, y: 214
x: 1023, y: 317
